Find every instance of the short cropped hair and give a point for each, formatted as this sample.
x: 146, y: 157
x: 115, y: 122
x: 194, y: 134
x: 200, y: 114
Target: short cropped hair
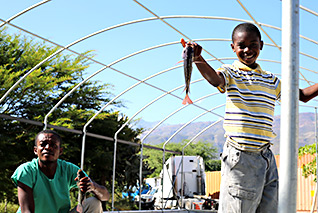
x: 246, y: 27
x: 47, y: 131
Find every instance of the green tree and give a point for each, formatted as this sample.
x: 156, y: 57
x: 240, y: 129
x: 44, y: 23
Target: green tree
x: 38, y: 93
x: 309, y: 168
x: 204, y: 149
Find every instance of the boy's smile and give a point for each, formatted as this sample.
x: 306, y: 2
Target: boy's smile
x: 247, y: 46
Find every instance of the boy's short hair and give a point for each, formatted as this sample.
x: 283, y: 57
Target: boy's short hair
x: 246, y: 27
x: 48, y: 131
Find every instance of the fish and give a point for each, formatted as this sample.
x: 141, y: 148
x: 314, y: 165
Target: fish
x: 81, y: 195
x: 187, y: 55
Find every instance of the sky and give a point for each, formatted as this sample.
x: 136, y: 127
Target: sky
x: 208, y: 21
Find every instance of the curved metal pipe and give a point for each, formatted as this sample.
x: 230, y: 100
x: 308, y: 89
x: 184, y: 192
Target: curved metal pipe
x: 86, y: 125
x: 1, y: 100
x: 316, y: 141
x: 159, y: 73
x: 66, y: 47
x: 186, y: 124
x: 23, y: 11
x: 308, y: 10
x: 110, y: 102
x: 109, y: 66
x: 113, y: 27
x: 127, y: 122
x: 120, y: 25
x: 187, y: 145
x: 136, y: 22
x: 100, y: 70
x: 182, y: 127
x: 115, y: 147
x: 142, y: 140
x: 164, y: 145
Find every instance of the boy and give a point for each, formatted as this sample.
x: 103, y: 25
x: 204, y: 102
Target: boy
x: 249, y: 173
x: 44, y: 183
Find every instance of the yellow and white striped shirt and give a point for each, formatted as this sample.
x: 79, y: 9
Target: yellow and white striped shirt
x: 250, y: 103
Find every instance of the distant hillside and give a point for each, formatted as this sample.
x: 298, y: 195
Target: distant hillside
x: 216, y: 133
x: 306, y: 130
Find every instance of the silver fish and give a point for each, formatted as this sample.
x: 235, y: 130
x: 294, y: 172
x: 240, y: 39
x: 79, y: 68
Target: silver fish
x: 187, y: 56
x: 81, y: 195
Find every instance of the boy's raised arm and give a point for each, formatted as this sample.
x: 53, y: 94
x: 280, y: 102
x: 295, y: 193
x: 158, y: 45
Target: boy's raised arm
x: 308, y: 93
x: 214, y: 78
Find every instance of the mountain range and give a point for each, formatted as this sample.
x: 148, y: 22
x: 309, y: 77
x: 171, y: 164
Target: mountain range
x: 215, y: 134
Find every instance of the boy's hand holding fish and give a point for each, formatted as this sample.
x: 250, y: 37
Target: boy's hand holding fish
x: 197, y: 49
x: 213, y: 77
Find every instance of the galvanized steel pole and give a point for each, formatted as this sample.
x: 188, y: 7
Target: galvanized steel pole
x: 316, y: 140
x: 289, y: 107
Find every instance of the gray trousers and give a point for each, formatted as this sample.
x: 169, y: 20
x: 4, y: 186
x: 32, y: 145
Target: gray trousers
x: 249, y: 181
x: 90, y: 205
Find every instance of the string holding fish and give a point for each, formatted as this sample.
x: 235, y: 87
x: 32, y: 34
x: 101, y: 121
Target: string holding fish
x: 187, y: 55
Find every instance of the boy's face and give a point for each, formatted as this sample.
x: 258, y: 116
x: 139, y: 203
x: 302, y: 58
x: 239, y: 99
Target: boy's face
x: 247, y: 47
x: 48, y: 148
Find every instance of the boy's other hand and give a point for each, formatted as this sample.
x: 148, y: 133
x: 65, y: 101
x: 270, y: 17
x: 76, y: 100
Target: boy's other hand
x: 197, y: 49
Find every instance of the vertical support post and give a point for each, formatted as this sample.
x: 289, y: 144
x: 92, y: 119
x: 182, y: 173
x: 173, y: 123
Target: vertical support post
x: 114, y: 171
x: 316, y: 138
x: 83, y: 150
x: 314, y: 201
x: 140, y: 173
x: 182, y: 179
x: 163, y: 172
x: 289, y: 107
